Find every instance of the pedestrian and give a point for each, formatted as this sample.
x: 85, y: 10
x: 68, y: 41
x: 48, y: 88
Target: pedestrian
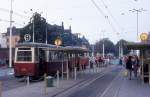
x: 129, y: 66
x: 135, y: 65
x: 7, y: 62
x: 120, y: 61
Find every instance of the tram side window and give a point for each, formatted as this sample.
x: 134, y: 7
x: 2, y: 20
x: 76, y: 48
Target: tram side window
x: 36, y: 56
x: 55, y: 56
x: 24, y: 56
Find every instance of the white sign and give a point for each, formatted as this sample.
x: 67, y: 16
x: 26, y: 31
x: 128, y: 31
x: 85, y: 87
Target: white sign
x: 27, y: 37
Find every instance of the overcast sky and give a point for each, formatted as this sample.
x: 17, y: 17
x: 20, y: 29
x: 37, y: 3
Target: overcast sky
x: 83, y: 16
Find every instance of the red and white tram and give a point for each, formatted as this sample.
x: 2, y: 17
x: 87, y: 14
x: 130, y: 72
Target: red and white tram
x: 35, y: 59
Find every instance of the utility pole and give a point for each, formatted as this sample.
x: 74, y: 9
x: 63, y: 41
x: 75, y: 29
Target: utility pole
x: 121, y: 48
x: 103, y: 45
x: 46, y: 28
x: 10, y: 35
x: 137, y: 18
x: 33, y: 27
x: 118, y: 34
x: 137, y: 24
x: 46, y: 32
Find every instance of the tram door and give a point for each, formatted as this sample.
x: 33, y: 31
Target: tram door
x: 42, y: 60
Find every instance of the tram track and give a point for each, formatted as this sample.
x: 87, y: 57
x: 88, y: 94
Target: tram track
x: 82, y: 85
x: 70, y: 89
x: 113, y: 88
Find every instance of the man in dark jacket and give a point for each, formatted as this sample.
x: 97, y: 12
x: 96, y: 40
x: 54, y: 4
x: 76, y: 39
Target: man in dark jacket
x: 129, y: 66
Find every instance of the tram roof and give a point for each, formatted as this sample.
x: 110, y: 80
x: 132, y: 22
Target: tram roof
x: 40, y: 45
x: 51, y: 47
x: 138, y: 45
x: 69, y: 49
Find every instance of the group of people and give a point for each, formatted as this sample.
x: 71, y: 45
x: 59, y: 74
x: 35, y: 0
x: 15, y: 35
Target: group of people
x: 98, y: 61
x: 132, y: 65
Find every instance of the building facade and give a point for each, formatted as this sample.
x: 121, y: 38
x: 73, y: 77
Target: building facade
x: 15, y: 36
x: 3, y: 40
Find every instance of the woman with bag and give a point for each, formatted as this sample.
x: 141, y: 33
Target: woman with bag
x: 136, y: 65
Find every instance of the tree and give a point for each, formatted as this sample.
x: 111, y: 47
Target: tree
x: 122, y: 44
x: 39, y: 29
x: 109, y: 46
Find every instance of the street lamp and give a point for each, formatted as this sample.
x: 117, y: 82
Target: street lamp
x: 103, y: 44
x: 120, y: 46
x: 33, y: 25
x: 137, y: 13
x: 33, y: 31
x: 10, y: 35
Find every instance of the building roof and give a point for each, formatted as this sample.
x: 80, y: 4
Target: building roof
x: 138, y: 46
x: 15, y: 31
x: 39, y: 45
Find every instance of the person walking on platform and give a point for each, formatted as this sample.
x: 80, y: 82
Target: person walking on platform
x: 129, y: 66
x: 135, y: 65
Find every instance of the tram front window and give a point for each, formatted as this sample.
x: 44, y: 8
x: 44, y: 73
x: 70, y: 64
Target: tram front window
x: 24, y: 56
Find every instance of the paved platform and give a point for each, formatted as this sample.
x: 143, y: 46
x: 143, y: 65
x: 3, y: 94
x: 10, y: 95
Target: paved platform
x: 38, y: 90
x: 121, y: 86
x: 133, y: 88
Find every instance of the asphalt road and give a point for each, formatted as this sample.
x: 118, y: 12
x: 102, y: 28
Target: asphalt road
x: 10, y: 82
x: 97, y: 87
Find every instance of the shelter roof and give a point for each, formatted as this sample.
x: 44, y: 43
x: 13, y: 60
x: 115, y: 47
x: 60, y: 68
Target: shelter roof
x: 138, y: 45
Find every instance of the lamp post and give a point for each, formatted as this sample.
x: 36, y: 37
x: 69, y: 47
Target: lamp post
x: 46, y: 28
x: 10, y: 35
x: 33, y: 26
x: 119, y: 45
x: 33, y: 39
x: 103, y: 44
x: 137, y: 18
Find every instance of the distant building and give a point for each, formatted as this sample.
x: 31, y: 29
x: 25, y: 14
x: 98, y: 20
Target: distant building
x: 53, y: 32
x: 3, y: 40
x: 85, y: 42
x: 15, y: 36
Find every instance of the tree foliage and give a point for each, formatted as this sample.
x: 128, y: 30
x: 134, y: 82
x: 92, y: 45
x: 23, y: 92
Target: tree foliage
x: 39, y: 29
x: 109, y: 46
x: 122, y: 44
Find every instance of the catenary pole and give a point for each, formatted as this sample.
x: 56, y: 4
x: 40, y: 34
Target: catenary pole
x: 10, y: 35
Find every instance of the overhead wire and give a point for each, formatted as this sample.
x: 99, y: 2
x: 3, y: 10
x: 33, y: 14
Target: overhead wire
x: 15, y: 13
x: 114, y: 19
x: 3, y: 20
x: 103, y: 14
